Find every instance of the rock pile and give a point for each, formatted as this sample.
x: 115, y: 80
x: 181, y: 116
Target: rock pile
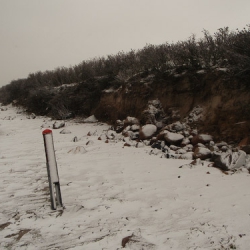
x: 179, y: 140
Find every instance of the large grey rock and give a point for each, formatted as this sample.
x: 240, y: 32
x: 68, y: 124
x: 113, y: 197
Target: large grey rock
x: 147, y: 131
x: 31, y: 116
x: 58, y: 124
x: 229, y: 161
x: 201, y: 138
x: 131, y: 121
x: 173, y: 138
x: 202, y: 153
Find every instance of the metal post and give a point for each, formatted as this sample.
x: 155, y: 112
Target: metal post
x: 54, y: 184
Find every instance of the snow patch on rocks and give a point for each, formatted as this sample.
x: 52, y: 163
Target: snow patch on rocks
x: 90, y: 119
x: 147, y: 131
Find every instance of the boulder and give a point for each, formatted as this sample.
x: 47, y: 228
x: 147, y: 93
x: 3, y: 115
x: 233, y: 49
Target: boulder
x: 213, y: 148
x: 58, y: 124
x: 135, y: 127
x: 221, y: 144
x: 201, y: 138
x: 186, y: 133
x: 189, y: 148
x: 32, y: 116
x: 173, y: 138
x: 126, y: 129
x: 185, y: 142
x: 194, y: 132
x: 75, y: 139
x: 229, y: 161
x: 65, y: 131
x: 139, y: 145
x: 131, y: 135
x: 155, y: 151
x: 147, y: 131
x: 128, y: 141
x: 111, y: 135
x: 89, y: 143
x: 177, y: 126
x: 159, y: 124
x: 119, y: 126
x: 186, y: 156
x: 102, y: 137
x: 224, y: 148
x: 181, y: 151
x: 153, y: 113
x: 131, y: 121
x: 157, y: 144
x: 46, y: 125
x: 90, y: 119
x: 173, y: 147
x: 202, y: 153
x: 161, y: 135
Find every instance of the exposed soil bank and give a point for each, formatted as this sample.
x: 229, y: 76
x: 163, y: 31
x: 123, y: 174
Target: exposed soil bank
x: 225, y: 100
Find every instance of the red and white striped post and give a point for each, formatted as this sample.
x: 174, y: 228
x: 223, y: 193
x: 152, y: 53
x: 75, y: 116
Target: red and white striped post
x: 54, y: 184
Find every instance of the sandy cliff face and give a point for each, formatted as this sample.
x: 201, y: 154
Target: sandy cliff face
x: 225, y: 100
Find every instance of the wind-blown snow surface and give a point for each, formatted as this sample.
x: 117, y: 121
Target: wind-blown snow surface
x: 111, y: 192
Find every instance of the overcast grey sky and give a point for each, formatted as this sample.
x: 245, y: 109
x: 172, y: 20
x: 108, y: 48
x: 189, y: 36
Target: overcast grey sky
x: 39, y: 35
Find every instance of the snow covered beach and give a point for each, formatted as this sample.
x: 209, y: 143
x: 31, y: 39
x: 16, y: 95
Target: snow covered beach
x: 111, y: 192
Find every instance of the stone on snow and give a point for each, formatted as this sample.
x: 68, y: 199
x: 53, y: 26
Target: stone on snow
x: 102, y: 137
x: 90, y: 142
x: 229, y: 161
x: 181, y: 151
x: 135, y: 127
x: 202, y: 153
x: 173, y: 138
x: 177, y: 126
x: 201, y: 138
x: 147, y: 131
x: 131, y: 121
x: 139, y: 145
x: 189, y: 148
x: 58, y: 124
x: 221, y: 144
x: 185, y: 142
x: 224, y: 148
x: 186, y: 156
x: 32, y: 116
x: 157, y: 145
x: 119, y: 126
x: 128, y: 141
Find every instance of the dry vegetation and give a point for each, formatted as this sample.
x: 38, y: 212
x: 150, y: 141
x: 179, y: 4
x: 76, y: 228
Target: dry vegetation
x: 77, y: 90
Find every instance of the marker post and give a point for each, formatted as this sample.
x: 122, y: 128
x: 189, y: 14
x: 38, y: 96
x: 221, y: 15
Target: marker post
x: 54, y: 184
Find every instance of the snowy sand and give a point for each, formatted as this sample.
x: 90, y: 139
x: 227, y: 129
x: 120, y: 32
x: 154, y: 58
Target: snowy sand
x: 110, y: 192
